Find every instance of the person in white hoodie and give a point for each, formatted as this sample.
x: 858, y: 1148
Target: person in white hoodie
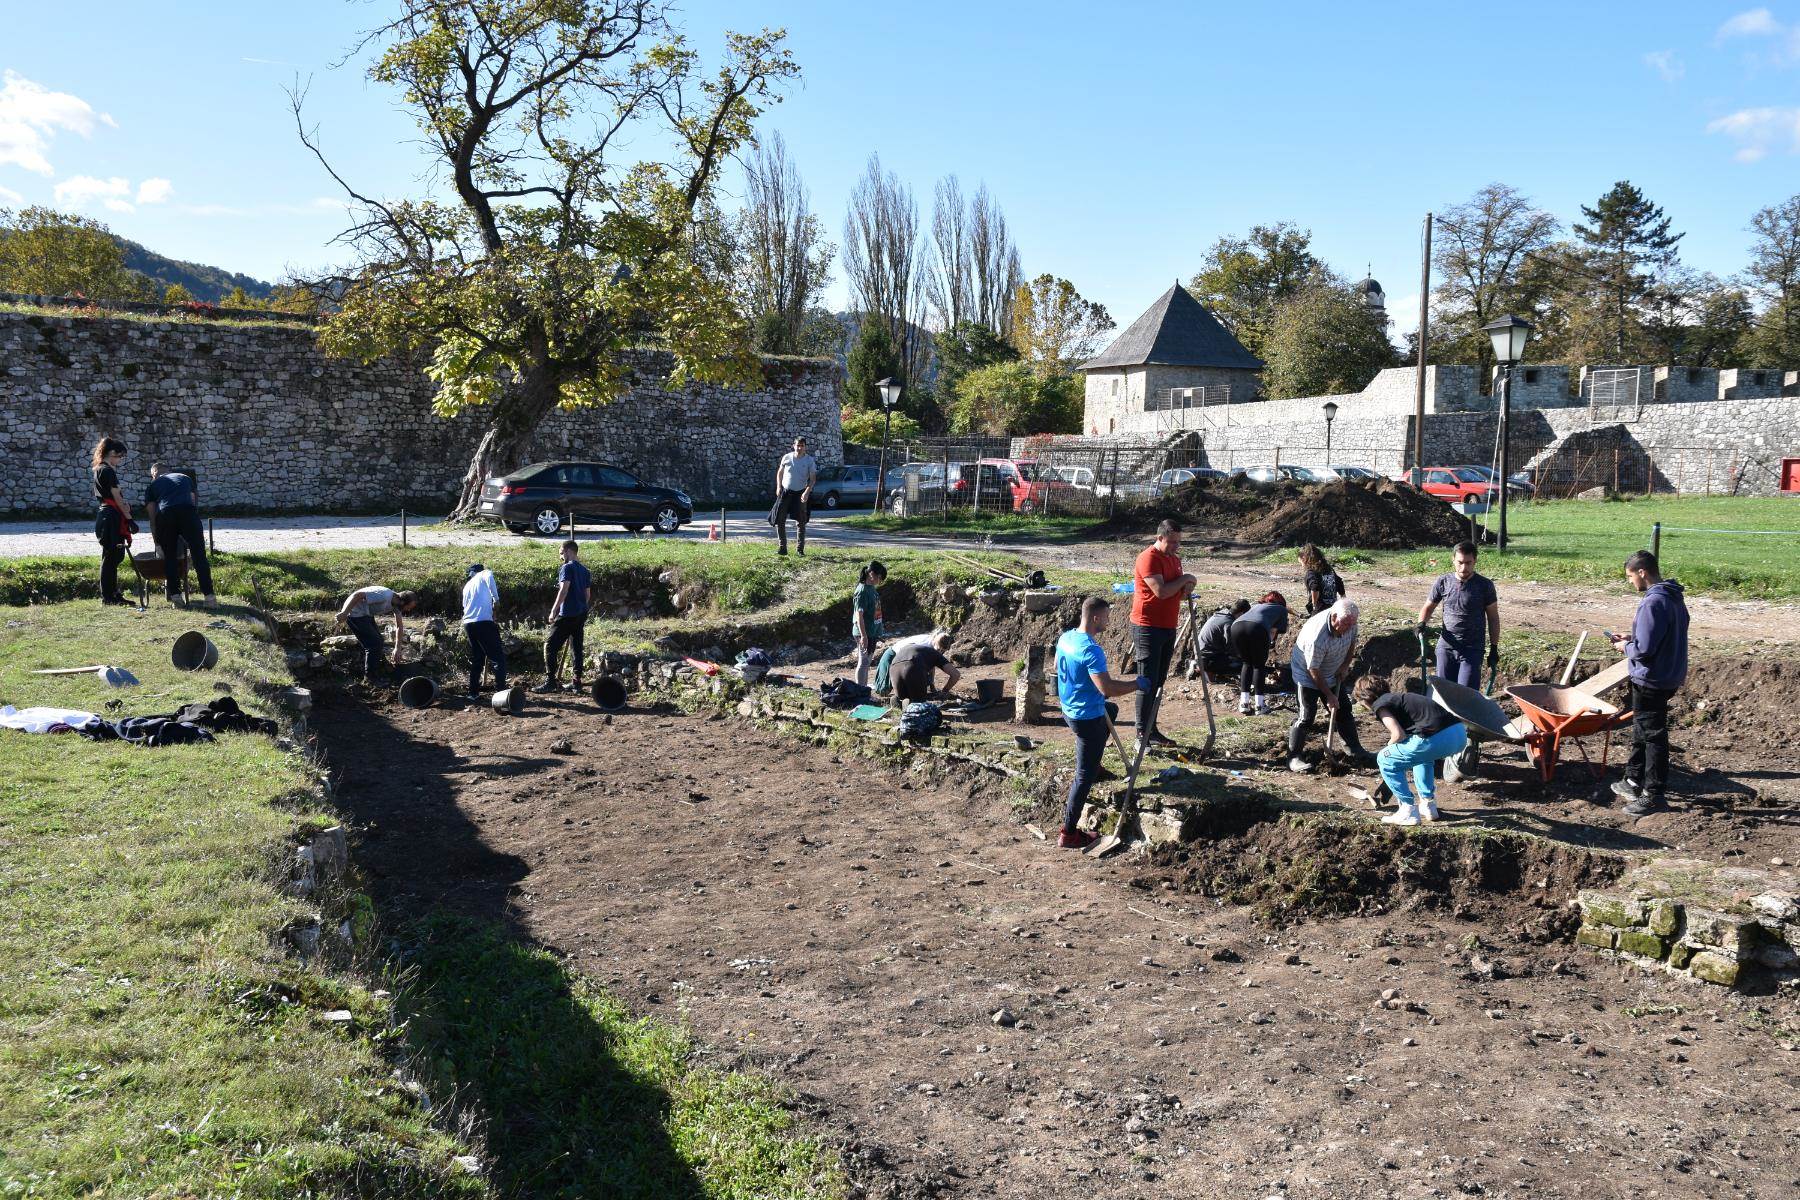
x: 481, y: 597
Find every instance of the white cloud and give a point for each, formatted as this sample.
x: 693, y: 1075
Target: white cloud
x: 81, y: 191
x: 1755, y: 22
x: 154, y: 191
x: 1667, y: 64
x: 1760, y: 132
x: 30, y: 117
x: 8, y: 196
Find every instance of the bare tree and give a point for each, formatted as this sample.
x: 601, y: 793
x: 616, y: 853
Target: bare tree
x: 947, y: 275
x: 995, y: 276
x: 1775, y: 270
x: 784, y: 261
x: 1481, y: 255
x: 881, y: 238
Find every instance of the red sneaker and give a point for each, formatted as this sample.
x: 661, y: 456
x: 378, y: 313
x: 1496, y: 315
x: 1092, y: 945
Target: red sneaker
x: 1081, y: 839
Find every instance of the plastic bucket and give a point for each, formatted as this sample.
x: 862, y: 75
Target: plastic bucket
x: 990, y: 691
x: 510, y: 701
x: 194, y: 651
x: 418, y: 692
x: 609, y: 692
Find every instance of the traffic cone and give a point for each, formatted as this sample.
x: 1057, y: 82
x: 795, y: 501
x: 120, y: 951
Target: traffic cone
x: 712, y: 532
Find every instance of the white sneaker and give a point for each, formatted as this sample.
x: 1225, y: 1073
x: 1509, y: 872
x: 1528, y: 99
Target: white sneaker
x: 1243, y: 706
x: 1263, y: 708
x: 1428, y: 810
x: 1406, y: 814
x: 1299, y: 766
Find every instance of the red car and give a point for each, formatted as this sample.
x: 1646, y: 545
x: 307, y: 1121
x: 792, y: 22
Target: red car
x: 1459, y: 485
x: 1032, y: 484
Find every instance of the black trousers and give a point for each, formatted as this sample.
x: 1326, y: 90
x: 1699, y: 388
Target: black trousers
x: 1251, y: 641
x: 1649, y: 764
x: 174, y: 526
x: 1311, y: 699
x: 1155, y: 646
x: 791, y: 505
x: 1090, y: 743
x: 484, y: 645
x: 112, y: 550
x: 567, y: 630
x: 369, y: 634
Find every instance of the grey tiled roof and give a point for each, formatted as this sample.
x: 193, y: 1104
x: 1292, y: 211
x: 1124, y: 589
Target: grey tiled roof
x: 1176, y: 331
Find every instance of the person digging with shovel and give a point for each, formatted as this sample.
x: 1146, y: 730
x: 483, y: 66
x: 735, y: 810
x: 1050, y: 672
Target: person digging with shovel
x: 1085, y: 689
x: 1321, y: 661
x: 1419, y: 734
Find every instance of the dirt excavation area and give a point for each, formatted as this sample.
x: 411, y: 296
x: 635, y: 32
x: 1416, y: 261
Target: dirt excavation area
x: 971, y: 1012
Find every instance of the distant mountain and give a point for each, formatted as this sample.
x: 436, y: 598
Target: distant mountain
x: 204, y: 283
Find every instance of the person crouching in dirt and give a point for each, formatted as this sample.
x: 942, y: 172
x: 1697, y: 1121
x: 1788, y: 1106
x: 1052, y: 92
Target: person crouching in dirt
x: 884, y: 666
x: 359, y: 613
x: 1158, y: 588
x: 865, y: 617
x: 1216, y: 658
x: 1657, y: 649
x: 568, y: 617
x: 1420, y: 733
x: 1321, y: 663
x: 1252, y: 636
x: 1471, y: 618
x: 916, y: 665
x: 1323, y: 585
x: 1084, y: 689
x: 481, y: 597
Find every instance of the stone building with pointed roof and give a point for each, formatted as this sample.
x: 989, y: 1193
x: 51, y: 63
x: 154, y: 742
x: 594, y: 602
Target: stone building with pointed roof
x: 1174, y: 357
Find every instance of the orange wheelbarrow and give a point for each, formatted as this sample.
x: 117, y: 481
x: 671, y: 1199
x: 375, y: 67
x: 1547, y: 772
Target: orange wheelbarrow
x: 1559, y: 714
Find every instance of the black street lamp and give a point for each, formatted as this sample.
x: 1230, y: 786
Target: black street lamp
x: 890, y: 396
x: 1330, y: 407
x: 1509, y: 335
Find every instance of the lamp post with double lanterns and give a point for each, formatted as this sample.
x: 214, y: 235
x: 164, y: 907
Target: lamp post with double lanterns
x: 890, y: 396
x: 1330, y: 407
x: 1509, y: 335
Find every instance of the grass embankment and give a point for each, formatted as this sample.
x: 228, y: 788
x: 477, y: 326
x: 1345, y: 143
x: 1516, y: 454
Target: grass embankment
x: 1586, y: 541
x: 967, y: 523
x: 155, y: 1041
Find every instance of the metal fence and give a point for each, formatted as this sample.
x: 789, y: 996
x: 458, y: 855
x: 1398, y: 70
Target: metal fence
x: 995, y: 475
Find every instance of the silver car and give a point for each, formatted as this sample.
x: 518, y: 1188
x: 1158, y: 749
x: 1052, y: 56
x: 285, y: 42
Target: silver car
x: 846, y: 487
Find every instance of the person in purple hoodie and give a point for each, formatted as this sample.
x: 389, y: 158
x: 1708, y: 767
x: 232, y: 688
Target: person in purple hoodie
x: 1657, y: 650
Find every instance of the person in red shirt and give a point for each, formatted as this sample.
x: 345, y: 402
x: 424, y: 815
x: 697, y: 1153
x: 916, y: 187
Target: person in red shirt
x: 1158, y: 588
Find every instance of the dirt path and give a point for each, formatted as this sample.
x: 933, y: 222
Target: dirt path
x: 852, y: 932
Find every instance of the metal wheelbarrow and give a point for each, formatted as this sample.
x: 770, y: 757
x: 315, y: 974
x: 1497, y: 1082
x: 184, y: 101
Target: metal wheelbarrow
x: 1558, y: 714
x: 152, y: 568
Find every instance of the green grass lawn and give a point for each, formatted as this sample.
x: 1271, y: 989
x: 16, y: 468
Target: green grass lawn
x: 963, y: 522
x: 156, y: 1041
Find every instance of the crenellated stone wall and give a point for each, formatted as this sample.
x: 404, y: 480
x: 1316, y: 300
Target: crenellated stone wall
x: 268, y: 422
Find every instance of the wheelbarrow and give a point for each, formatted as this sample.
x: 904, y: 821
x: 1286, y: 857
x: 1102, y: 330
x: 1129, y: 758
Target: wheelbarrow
x: 151, y: 567
x: 1557, y: 714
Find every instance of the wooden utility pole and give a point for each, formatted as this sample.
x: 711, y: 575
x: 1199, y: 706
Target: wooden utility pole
x: 1418, y: 446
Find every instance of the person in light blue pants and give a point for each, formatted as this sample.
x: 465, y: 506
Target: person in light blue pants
x: 1419, y: 734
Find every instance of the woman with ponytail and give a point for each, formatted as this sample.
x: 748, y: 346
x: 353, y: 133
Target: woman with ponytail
x: 113, y: 525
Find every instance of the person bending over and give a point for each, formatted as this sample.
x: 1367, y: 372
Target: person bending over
x: 359, y: 613
x: 916, y: 665
x: 173, y: 502
x: 1252, y: 636
x: 481, y: 599
x: 1321, y: 663
x: 1084, y: 689
x: 1420, y: 733
x: 1216, y: 658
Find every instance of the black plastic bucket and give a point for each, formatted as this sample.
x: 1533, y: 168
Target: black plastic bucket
x: 510, y: 701
x: 418, y: 692
x: 990, y: 691
x: 609, y: 692
x: 194, y: 651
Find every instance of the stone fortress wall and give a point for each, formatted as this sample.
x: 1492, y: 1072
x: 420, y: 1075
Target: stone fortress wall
x: 268, y: 422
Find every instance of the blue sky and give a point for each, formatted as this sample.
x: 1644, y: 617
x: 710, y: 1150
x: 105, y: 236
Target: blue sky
x: 1121, y: 139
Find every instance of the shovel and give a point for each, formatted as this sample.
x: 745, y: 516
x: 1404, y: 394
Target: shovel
x: 1127, y: 810
x: 111, y: 676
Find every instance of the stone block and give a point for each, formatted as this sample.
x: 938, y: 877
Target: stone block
x: 1646, y: 945
x: 1664, y: 918
x: 1168, y: 826
x: 1775, y: 904
x: 1717, y: 930
x: 1679, y: 954
x: 1596, y: 936
x: 330, y: 852
x: 1605, y: 908
x: 1042, y: 602
x: 1715, y: 968
x: 1777, y: 956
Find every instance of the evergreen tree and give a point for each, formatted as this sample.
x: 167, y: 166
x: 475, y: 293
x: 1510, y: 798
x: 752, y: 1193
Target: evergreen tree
x: 1627, y: 248
x: 873, y: 359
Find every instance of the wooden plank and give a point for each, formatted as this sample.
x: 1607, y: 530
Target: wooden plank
x: 1605, y: 681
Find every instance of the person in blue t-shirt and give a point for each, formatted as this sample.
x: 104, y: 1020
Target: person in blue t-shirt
x: 173, y: 503
x: 1083, y: 688
x: 568, y: 617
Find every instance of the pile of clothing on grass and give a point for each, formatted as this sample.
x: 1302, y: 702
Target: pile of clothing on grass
x: 188, y: 724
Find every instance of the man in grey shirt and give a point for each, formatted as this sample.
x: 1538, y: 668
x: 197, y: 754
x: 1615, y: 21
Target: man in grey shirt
x: 794, y: 480
x: 1323, y: 651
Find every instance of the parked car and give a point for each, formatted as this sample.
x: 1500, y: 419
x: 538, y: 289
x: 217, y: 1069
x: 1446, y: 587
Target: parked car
x: 846, y: 487
x: 1079, y: 478
x: 1359, y: 474
x: 1267, y: 476
x: 1459, y: 485
x: 543, y: 497
x: 976, y: 485
x: 1036, y: 487
x: 1518, y: 483
x: 1308, y: 475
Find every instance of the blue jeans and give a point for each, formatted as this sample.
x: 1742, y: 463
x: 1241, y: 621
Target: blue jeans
x: 1459, y: 666
x: 1419, y: 754
x: 369, y: 634
x: 1091, y: 736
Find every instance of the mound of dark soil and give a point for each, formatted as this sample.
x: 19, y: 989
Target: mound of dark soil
x: 1382, y: 515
